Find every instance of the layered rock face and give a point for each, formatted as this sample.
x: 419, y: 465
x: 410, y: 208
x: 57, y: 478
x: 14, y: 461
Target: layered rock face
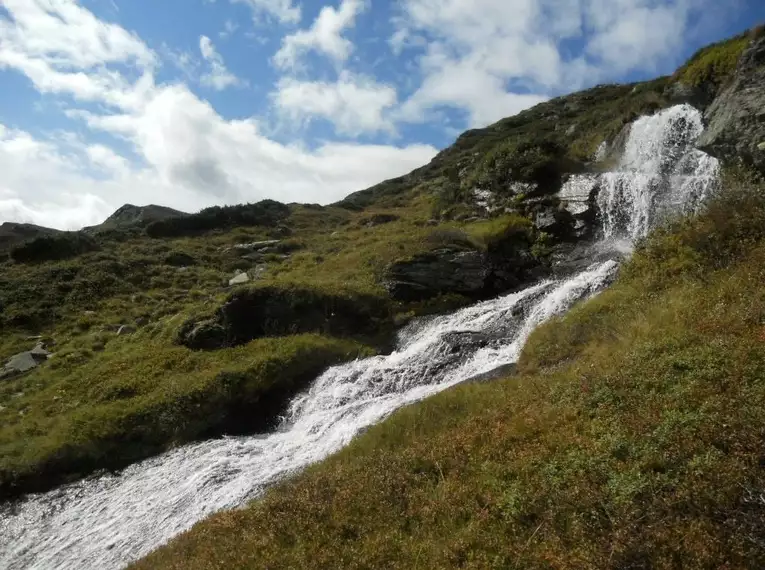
x: 736, y: 118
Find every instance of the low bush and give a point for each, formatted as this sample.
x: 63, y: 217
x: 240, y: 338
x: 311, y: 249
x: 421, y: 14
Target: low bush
x: 53, y: 248
x: 266, y: 213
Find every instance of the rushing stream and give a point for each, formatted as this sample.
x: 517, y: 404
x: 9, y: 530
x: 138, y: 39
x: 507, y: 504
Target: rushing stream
x: 108, y: 521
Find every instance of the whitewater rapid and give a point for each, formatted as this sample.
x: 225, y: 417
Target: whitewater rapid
x: 108, y: 521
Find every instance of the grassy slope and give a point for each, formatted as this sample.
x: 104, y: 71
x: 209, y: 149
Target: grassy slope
x: 104, y: 401
x: 631, y: 438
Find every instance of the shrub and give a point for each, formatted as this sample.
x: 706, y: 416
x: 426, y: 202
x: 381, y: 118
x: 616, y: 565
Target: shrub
x: 55, y: 247
x: 713, y: 64
x: 266, y: 213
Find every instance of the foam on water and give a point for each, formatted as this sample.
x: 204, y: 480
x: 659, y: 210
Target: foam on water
x: 108, y: 521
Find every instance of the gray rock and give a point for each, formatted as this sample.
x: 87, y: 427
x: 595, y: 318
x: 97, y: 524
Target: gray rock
x: 25, y: 361
x: 445, y: 270
x: 736, y: 118
x: 239, y: 279
x: 578, y: 193
x: 254, y: 246
x: 545, y: 221
x: 499, y: 372
x: 678, y: 93
x: 126, y: 330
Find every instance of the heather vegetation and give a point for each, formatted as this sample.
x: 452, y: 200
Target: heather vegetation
x: 630, y: 437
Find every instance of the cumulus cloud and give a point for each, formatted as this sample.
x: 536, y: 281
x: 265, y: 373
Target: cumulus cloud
x: 190, y: 156
x: 493, y: 57
x: 283, y: 11
x: 218, y: 77
x: 324, y: 36
x: 354, y: 104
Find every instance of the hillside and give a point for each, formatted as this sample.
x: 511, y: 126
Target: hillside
x: 630, y: 432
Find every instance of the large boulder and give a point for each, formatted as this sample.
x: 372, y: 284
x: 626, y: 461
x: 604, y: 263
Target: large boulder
x: 25, y: 361
x: 444, y: 270
x: 736, y: 119
x: 259, y: 312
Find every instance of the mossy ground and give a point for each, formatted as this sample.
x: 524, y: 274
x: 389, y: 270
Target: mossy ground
x: 104, y: 401
x: 631, y: 437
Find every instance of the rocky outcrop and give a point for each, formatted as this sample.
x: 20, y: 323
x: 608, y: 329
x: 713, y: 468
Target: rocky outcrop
x: 505, y: 264
x: 578, y: 197
x: 445, y: 270
x: 249, y: 314
x: 736, y: 119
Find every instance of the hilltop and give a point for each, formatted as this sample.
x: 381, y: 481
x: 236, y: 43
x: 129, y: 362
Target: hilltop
x: 167, y: 327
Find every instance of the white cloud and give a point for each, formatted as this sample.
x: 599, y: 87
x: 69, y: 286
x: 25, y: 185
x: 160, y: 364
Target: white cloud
x: 354, y: 104
x: 495, y: 57
x: 190, y: 156
x: 219, y: 77
x: 324, y: 36
x: 282, y: 10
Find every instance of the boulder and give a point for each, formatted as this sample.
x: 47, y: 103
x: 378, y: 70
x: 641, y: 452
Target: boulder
x: 202, y: 335
x: 258, y: 312
x: 736, y: 118
x: 25, y: 361
x: 239, y: 278
x: 697, y: 96
x: 445, y: 270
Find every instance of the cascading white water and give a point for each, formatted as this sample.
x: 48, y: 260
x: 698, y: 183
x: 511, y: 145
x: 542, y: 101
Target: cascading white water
x: 108, y: 521
x: 660, y: 174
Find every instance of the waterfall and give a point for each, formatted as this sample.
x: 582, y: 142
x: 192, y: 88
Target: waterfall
x: 111, y: 520
x: 660, y: 174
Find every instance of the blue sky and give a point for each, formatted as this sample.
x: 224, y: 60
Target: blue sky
x: 190, y: 103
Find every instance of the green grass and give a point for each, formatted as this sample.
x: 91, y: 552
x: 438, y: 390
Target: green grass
x: 713, y: 64
x: 104, y: 401
x: 141, y: 395
x: 631, y: 437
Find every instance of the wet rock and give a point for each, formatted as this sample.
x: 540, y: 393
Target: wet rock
x: 698, y: 96
x: 460, y: 341
x: 496, y: 374
x: 736, y: 119
x: 430, y: 274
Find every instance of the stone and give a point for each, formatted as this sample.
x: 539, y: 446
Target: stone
x: 204, y: 335
x: 761, y: 146
x: 736, y: 118
x: 25, y: 361
x: 126, y: 330
x: 697, y: 96
x: 254, y: 246
x: 495, y: 374
x: 578, y: 193
x: 239, y: 279
x: 430, y: 274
